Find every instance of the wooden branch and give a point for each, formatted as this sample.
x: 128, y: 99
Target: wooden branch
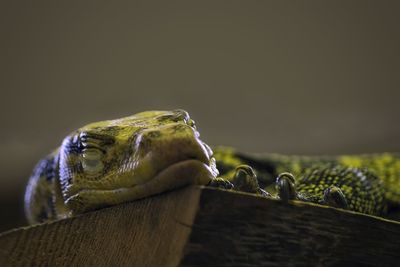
x: 198, y: 226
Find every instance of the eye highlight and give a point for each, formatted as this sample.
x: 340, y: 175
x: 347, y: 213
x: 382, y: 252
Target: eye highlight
x: 91, y: 160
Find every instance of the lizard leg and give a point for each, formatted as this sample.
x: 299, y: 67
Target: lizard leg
x: 333, y: 196
x: 285, y: 186
x: 245, y: 180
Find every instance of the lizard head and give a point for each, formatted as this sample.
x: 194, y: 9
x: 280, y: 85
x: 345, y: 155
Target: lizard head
x: 115, y: 161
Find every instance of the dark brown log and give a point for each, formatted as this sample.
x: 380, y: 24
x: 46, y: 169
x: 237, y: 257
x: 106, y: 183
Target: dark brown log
x: 198, y: 226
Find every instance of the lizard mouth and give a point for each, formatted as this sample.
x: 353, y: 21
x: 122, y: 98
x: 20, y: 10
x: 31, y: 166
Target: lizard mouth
x: 179, y: 174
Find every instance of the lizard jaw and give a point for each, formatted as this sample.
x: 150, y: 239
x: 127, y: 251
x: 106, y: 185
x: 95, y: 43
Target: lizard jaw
x: 179, y: 174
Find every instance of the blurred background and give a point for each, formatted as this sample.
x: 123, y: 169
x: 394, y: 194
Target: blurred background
x: 303, y: 77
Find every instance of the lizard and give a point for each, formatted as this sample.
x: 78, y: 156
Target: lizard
x: 115, y: 161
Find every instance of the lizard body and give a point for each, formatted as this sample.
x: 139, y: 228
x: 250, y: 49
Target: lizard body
x: 116, y: 161
x: 372, y: 180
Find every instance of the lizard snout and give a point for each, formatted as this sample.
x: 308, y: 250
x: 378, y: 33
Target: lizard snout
x: 173, y: 143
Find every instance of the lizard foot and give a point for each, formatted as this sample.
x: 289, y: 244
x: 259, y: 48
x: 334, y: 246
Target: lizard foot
x: 285, y: 186
x: 245, y: 180
x: 221, y: 183
x: 333, y: 196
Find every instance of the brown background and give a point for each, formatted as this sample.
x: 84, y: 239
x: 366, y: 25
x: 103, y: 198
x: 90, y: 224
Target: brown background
x: 309, y: 77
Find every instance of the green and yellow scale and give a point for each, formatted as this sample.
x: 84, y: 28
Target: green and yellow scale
x: 370, y: 182
x: 115, y: 161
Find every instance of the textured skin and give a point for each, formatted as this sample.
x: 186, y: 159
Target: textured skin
x: 370, y: 183
x: 111, y: 162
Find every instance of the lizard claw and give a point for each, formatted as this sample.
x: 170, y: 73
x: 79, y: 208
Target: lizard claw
x: 221, y: 183
x: 285, y: 186
x: 264, y: 193
x: 245, y: 180
x: 333, y: 196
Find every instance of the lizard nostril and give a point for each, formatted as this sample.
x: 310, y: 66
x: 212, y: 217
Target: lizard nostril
x: 191, y: 123
x: 181, y: 114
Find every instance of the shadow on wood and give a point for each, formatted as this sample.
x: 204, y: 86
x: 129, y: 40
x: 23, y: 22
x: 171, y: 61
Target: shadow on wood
x: 198, y: 226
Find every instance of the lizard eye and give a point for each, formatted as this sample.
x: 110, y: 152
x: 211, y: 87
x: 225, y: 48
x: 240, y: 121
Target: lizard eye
x: 92, y: 160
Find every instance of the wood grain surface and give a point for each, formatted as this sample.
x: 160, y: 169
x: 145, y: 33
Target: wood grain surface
x: 243, y: 230
x: 198, y: 226
x: 149, y: 232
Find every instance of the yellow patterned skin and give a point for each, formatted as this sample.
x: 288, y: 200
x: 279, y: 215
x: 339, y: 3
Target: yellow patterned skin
x: 116, y: 161
x: 371, y: 183
x: 386, y: 166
